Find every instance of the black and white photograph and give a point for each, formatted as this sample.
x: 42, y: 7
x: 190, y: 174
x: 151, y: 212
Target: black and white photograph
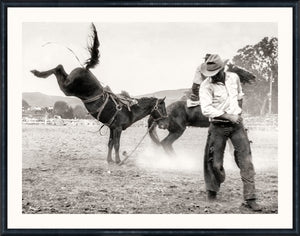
x: 150, y: 118
x: 141, y: 87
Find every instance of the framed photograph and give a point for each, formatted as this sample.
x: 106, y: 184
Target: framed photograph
x: 149, y: 118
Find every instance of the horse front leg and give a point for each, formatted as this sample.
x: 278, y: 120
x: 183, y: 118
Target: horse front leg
x: 152, y: 131
x: 168, y: 141
x: 117, y: 137
x: 110, y: 146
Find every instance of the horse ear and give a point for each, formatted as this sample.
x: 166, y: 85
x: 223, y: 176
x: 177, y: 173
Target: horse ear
x: 163, y: 99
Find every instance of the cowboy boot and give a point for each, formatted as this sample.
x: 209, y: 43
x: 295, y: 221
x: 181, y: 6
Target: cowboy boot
x: 211, y: 195
x: 252, y: 204
x: 195, y: 92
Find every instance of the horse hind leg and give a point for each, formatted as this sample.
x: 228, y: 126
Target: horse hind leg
x: 57, y: 71
x: 42, y: 74
x: 168, y: 141
x: 60, y: 74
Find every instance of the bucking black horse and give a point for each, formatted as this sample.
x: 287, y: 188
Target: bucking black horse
x: 101, y: 103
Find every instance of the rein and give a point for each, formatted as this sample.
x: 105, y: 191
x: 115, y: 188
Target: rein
x: 66, y: 48
x: 125, y: 153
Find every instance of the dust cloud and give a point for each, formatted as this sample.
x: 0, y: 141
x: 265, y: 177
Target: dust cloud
x: 155, y: 158
x: 190, y: 151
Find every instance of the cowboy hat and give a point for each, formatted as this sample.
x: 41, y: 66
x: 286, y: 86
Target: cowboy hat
x: 212, y: 65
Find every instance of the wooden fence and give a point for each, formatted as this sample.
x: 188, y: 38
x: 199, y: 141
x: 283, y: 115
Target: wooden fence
x: 253, y: 123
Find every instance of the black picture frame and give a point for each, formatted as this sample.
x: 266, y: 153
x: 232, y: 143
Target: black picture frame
x: 5, y: 4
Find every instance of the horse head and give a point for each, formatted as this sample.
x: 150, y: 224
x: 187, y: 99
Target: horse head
x: 159, y: 113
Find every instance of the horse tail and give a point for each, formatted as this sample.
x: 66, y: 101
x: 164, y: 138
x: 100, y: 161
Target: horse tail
x: 152, y: 131
x: 93, y: 49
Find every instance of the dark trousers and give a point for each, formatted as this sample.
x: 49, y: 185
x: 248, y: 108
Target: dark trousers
x: 214, y: 173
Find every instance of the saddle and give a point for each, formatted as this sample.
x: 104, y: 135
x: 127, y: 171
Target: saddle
x: 123, y: 99
x: 126, y: 100
x: 119, y: 100
x: 190, y: 103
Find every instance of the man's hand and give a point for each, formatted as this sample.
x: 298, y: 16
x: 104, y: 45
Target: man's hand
x: 236, y: 119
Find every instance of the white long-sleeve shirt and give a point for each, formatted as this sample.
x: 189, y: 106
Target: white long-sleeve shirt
x: 198, y: 79
x: 218, y: 98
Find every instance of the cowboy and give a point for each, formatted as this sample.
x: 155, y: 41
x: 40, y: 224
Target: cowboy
x: 221, y: 100
x: 198, y: 79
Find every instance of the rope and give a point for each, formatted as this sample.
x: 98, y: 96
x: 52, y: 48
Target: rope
x: 125, y: 153
x: 161, y: 117
x: 66, y: 48
x: 93, y: 99
x: 99, y: 131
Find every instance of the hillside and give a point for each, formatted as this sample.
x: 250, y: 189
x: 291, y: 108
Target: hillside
x: 170, y: 94
x: 43, y: 100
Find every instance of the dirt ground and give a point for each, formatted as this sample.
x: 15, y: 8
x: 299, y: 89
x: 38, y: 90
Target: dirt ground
x: 65, y: 171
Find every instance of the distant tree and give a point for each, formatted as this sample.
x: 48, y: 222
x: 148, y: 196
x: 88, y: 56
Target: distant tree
x: 60, y: 107
x: 80, y: 112
x: 25, y: 104
x: 63, y: 110
x: 69, y: 114
x: 262, y: 60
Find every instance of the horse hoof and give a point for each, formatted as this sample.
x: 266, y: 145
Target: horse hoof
x: 110, y: 162
x: 34, y: 72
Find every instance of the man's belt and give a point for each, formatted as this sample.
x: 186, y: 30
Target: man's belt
x: 221, y: 122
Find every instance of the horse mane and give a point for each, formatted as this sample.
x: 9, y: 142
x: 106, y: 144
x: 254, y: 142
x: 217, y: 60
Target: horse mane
x: 93, y: 49
x: 144, y: 100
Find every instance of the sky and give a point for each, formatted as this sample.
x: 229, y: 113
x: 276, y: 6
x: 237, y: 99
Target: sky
x: 140, y: 58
